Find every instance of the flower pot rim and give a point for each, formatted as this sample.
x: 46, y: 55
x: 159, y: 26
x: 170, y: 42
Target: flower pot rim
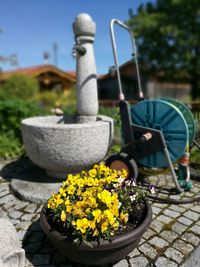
x: 126, y: 238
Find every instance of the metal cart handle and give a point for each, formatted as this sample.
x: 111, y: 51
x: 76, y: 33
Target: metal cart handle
x: 114, y: 47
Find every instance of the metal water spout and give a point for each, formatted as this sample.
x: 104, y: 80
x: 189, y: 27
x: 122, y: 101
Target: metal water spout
x: 86, y: 87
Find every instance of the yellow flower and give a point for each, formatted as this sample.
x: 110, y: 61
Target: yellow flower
x: 97, y: 215
x: 71, y: 189
x: 62, y: 192
x: 108, y: 215
x: 63, y: 216
x: 90, y: 181
x: 96, y: 232
x: 68, y: 208
x: 124, y: 217
x: 96, y: 166
x: 92, y: 224
x: 67, y: 202
x: 92, y: 172
x: 116, y: 225
x: 58, y: 200
x: 105, y: 197
x: 84, y: 173
x: 80, y: 182
x: 82, y: 224
x: 51, y: 204
x: 124, y: 173
x: 96, y: 182
x: 104, y: 226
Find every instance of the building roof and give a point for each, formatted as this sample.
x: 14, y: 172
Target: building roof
x: 129, y: 65
x: 37, y: 70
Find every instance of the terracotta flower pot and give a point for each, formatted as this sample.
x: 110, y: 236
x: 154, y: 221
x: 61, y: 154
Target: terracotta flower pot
x: 101, y: 253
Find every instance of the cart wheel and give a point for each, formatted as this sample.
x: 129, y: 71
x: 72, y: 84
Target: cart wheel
x: 123, y: 161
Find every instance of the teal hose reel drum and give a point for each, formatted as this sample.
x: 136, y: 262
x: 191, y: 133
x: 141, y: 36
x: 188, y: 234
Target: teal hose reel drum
x: 175, y: 121
x: 156, y: 132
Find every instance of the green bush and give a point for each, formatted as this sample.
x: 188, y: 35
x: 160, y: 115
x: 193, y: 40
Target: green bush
x: 19, y: 86
x: 113, y: 112
x: 12, y: 112
x: 52, y: 99
x: 10, y: 147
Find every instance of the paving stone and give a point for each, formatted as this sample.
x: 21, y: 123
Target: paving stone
x: 30, y: 208
x: 9, y: 204
x: 39, y: 209
x: 4, y: 187
x: 4, y: 192
x: 185, y: 220
x: 195, y: 189
x: 41, y: 259
x: 165, y: 262
x: 177, y: 208
x: 138, y: 261
x: 160, y: 205
x: 174, y: 254
x: 149, y: 233
x: 6, y: 200
x: 188, y: 206
x: 15, y: 214
x: 158, y: 242
x: 142, y: 241
x: 179, y: 228
x: 196, y: 208
x: 183, y: 247
x: 171, y: 213
x: 27, y: 217
x: 11, y: 209
x: 122, y: 263
x: 192, y: 215
x: 37, y: 216
x: 164, y: 219
x: 14, y: 221
x: 23, y: 225
x: 195, y: 229
x: 156, y: 226
x: 168, y: 235
x: 134, y: 253
x: 148, y: 250
x: 156, y: 210
x: 20, y: 205
x: 191, y: 238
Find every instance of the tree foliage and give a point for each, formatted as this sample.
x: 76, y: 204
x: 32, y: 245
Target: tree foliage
x: 168, y: 35
x: 19, y: 86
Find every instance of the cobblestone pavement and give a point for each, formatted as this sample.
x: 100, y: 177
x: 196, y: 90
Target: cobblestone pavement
x: 172, y: 237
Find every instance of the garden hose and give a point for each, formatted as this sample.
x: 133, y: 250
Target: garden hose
x: 173, y: 201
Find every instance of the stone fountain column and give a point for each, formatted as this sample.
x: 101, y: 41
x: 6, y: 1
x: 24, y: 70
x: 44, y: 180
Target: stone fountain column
x: 87, y: 100
x: 67, y: 144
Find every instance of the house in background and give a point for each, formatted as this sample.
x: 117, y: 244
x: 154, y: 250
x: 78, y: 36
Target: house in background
x: 153, y: 87
x: 49, y: 77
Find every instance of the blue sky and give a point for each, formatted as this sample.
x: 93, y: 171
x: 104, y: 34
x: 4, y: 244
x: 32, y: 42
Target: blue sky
x: 30, y: 27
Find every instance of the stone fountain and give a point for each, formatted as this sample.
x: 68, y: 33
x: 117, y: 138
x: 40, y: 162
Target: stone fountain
x: 69, y: 144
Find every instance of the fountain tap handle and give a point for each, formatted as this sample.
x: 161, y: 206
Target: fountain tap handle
x: 79, y: 49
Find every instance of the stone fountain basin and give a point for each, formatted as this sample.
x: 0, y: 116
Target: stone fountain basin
x: 61, y: 146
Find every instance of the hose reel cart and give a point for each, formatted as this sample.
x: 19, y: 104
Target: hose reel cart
x: 156, y: 132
